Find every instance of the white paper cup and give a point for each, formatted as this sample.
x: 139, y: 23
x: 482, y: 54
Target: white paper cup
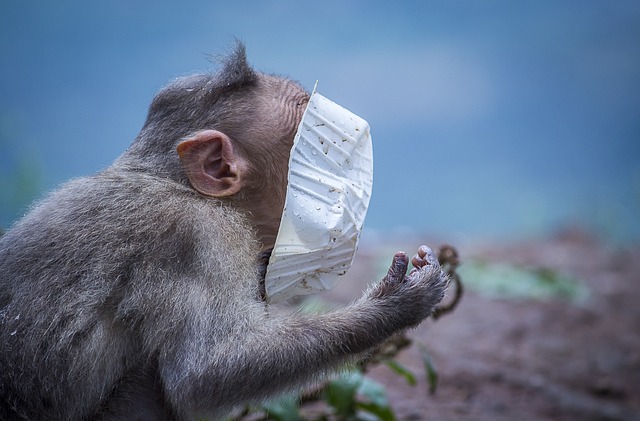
x: 330, y: 181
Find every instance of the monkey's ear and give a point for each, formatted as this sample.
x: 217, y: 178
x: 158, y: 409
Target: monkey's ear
x: 211, y: 164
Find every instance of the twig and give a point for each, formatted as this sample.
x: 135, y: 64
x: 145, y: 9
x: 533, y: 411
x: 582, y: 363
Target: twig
x: 449, y: 260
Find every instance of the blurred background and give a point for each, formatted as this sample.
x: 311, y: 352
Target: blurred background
x: 508, y: 129
x: 493, y: 119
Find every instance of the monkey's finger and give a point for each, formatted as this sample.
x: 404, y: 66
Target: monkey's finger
x: 418, y: 261
x: 423, y: 251
x: 430, y: 255
x: 398, y: 267
x: 425, y: 257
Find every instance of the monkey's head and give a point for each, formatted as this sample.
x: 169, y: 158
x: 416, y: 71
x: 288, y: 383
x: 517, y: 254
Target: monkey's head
x: 227, y: 135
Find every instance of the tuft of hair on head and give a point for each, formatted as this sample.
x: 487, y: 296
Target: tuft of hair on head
x: 189, y: 103
x: 236, y: 71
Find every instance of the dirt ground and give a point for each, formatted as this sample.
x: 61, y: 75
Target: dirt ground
x: 524, y: 359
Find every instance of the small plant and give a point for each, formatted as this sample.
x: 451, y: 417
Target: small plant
x: 504, y: 280
x: 352, y: 396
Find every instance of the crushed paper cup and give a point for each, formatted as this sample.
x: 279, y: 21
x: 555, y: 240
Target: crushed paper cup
x: 330, y: 181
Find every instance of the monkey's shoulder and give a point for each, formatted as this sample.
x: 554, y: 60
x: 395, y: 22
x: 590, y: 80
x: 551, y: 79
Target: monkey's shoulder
x: 118, y: 217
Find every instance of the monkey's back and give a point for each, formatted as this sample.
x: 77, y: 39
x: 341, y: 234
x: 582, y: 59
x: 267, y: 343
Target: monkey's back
x: 65, y: 268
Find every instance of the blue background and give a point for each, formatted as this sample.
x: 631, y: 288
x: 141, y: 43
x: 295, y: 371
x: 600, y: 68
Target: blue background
x: 493, y: 119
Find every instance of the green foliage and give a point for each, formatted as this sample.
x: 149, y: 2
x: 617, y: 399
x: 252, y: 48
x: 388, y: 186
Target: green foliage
x: 283, y: 409
x: 355, y: 397
x: 432, y: 374
x: 374, y: 400
x: 504, y: 280
x: 350, y: 397
x: 401, y: 370
x: 341, y: 394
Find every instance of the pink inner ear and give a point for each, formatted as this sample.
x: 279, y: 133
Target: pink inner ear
x: 211, y: 165
x: 214, y: 164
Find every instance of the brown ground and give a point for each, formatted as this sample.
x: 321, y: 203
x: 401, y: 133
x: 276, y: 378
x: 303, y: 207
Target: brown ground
x: 526, y: 359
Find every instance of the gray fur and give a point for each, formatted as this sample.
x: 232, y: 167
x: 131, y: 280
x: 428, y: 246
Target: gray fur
x: 128, y: 295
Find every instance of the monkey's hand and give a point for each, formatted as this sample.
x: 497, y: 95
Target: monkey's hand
x: 410, y: 298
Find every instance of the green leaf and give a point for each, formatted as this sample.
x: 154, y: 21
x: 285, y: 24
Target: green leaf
x: 284, y: 409
x: 401, y: 370
x: 376, y: 400
x: 503, y: 280
x: 383, y: 413
x: 340, y: 393
x: 373, y: 391
x: 432, y: 374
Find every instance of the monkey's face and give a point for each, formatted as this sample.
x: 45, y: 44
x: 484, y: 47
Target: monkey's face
x: 280, y: 108
x: 328, y: 190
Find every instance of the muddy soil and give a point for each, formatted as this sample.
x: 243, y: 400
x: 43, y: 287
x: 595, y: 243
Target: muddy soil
x: 524, y: 359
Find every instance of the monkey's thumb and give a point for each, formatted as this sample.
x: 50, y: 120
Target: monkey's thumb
x: 398, y: 268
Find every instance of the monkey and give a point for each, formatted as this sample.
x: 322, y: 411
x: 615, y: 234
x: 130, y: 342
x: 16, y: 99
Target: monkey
x: 135, y: 293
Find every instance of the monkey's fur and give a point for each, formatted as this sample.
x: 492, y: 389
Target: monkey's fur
x: 132, y: 295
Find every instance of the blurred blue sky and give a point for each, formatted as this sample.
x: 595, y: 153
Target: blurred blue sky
x: 489, y: 119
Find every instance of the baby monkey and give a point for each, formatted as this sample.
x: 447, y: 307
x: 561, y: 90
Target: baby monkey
x: 135, y: 293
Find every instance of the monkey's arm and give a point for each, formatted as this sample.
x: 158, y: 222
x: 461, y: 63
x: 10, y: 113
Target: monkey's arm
x: 261, y: 359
